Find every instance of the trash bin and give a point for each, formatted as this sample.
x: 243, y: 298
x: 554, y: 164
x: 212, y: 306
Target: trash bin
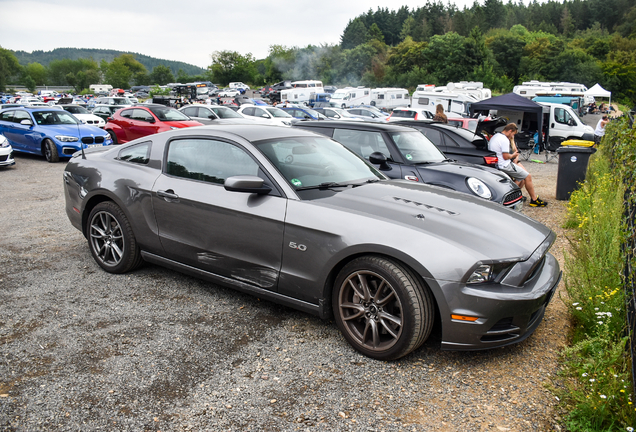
x: 572, y: 169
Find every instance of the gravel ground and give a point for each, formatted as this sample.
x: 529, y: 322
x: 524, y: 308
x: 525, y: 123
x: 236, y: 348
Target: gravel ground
x: 82, y: 349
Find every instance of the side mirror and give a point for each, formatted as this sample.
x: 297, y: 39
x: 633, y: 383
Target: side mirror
x: 378, y: 158
x: 212, y: 117
x: 571, y: 122
x: 26, y: 122
x: 246, y: 183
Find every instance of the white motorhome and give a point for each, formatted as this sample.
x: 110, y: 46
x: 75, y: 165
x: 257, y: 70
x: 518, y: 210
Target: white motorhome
x: 530, y: 89
x: 389, y: 97
x: 302, y: 91
x: 473, y: 88
x: 425, y: 97
x: 351, y: 96
x: 561, y: 121
x: 101, y: 88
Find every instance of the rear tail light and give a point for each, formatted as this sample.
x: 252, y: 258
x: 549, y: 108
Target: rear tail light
x: 490, y: 160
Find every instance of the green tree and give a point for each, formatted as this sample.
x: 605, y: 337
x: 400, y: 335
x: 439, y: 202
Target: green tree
x: 376, y: 33
x: 448, y: 58
x: 37, y: 72
x: 29, y: 83
x: 161, y: 75
x: 355, y: 34
x: 9, y: 67
x: 228, y: 66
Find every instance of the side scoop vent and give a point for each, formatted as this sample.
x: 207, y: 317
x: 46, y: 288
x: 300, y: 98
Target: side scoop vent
x: 426, y: 206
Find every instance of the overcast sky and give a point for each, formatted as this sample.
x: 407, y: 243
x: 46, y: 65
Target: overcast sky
x: 188, y: 31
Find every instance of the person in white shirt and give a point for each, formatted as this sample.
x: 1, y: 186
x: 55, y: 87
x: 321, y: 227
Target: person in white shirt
x: 600, y: 129
x: 500, y: 143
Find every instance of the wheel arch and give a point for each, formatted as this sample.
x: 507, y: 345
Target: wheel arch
x: 92, y: 202
x: 409, y: 263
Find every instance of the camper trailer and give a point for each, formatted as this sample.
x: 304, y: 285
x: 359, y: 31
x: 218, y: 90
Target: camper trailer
x: 351, y: 96
x: 472, y: 88
x: 530, y: 89
x: 100, y: 88
x: 389, y: 97
x: 428, y: 99
x: 302, y: 91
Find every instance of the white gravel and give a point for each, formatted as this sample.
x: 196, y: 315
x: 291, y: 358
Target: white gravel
x: 82, y: 349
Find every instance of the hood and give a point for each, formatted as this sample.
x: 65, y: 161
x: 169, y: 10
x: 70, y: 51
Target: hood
x: 481, y: 228
x: 467, y: 169
x: 78, y: 130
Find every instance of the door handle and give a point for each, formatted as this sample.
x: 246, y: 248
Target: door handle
x: 168, y: 195
x: 552, y: 126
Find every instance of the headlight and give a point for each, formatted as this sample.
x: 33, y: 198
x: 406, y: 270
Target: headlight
x: 172, y: 127
x: 66, y: 138
x: 478, y: 187
x: 83, y: 121
x: 481, y: 274
x: 4, y: 142
x: 286, y: 123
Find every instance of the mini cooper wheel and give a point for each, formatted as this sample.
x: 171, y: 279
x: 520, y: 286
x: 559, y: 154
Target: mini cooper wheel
x: 382, y: 309
x: 111, y: 239
x: 50, y: 151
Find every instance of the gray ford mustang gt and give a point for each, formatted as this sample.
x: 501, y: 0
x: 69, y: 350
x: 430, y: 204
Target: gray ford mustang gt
x: 296, y: 218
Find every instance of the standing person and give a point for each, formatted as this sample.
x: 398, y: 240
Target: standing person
x: 600, y: 129
x: 439, y: 114
x: 500, y: 143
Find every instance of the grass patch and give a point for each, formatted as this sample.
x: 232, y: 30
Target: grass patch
x: 598, y: 385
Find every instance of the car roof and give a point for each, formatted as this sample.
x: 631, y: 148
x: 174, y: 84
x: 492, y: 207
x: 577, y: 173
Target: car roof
x: 368, y: 126
x: 250, y: 132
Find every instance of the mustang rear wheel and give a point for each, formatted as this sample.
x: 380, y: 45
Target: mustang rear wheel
x: 50, y: 151
x: 111, y: 239
x: 382, y: 309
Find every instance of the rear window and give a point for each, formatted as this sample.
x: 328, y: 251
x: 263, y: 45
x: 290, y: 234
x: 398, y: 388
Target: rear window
x: 405, y: 114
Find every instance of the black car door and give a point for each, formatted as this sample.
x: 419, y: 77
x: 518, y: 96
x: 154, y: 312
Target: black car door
x: 232, y: 234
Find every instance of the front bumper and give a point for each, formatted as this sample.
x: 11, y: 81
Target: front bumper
x: 506, y: 314
x: 6, y: 157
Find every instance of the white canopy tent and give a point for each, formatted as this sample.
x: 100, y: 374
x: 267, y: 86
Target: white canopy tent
x: 598, y: 91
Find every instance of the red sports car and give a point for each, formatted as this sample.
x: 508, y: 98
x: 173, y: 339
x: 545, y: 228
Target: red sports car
x: 135, y: 122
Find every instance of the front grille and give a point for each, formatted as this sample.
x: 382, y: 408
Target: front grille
x: 512, y: 197
x: 503, y: 330
x: 4, y: 158
x: 99, y: 140
x: 87, y: 140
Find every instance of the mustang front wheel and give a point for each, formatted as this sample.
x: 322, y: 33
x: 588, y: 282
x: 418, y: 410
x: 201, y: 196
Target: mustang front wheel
x: 382, y: 309
x: 111, y: 239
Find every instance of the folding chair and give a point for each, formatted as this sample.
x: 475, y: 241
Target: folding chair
x: 525, y: 144
x: 551, y: 148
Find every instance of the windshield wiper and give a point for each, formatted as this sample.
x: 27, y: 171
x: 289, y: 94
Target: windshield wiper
x: 325, y: 185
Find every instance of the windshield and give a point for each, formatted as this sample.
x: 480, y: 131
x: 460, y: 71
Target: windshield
x: 338, y: 95
x: 416, y: 148
x: 224, y: 113
x: 308, y: 162
x: 121, y: 101
x: 56, y: 117
x: 343, y: 113
x: 168, y: 114
x: 277, y: 112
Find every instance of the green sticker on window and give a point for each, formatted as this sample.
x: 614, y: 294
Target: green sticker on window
x: 409, y: 157
x: 296, y: 182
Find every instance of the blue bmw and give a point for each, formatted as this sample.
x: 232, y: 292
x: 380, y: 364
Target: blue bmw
x: 50, y: 132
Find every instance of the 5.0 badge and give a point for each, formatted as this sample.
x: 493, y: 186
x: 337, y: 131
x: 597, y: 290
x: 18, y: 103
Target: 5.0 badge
x: 300, y: 247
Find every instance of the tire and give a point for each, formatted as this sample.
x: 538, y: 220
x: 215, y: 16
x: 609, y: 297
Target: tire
x: 50, y: 151
x: 391, y: 317
x: 113, y: 136
x: 111, y: 239
x: 343, y: 106
x: 372, y: 103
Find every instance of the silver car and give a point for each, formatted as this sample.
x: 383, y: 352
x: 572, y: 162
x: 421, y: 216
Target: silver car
x: 296, y: 218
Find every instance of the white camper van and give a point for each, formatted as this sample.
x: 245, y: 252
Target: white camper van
x: 100, y: 88
x: 530, y: 89
x: 561, y: 121
x: 389, y: 97
x: 428, y: 99
x: 302, y: 91
x: 351, y: 96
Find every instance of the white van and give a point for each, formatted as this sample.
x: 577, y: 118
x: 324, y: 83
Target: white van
x: 351, y: 96
x: 473, y: 88
x: 452, y: 102
x: 530, y: 89
x: 302, y: 91
x: 561, y: 119
x: 238, y: 85
x: 389, y: 97
x: 100, y: 88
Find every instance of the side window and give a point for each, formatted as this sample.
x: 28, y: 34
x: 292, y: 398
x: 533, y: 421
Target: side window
x: 422, y: 101
x: 21, y: 115
x: 7, y: 116
x: 361, y: 143
x: 380, y: 96
x: 142, y: 115
x: 208, y: 160
x: 433, y: 135
x: 249, y: 111
x: 191, y: 111
x: 560, y: 116
x: 127, y: 113
x: 139, y: 153
x: 258, y: 112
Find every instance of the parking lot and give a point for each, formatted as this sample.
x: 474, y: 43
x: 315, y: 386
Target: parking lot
x: 82, y: 349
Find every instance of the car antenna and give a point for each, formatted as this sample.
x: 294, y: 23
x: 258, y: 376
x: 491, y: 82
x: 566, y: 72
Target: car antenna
x: 83, y: 154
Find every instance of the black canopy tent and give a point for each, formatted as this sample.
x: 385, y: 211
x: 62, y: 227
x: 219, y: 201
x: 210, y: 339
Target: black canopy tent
x: 511, y: 102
